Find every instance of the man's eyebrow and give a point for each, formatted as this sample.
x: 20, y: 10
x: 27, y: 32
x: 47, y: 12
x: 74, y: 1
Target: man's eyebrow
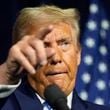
x: 64, y: 39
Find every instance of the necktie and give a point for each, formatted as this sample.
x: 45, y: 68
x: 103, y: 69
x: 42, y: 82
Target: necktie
x: 46, y: 106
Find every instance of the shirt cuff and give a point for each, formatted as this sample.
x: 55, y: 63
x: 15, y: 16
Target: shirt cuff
x: 6, y: 90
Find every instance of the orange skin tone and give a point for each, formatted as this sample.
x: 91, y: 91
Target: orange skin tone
x: 61, y: 68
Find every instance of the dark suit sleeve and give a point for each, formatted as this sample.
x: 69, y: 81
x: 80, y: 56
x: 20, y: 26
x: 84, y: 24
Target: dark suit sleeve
x: 2, y: 102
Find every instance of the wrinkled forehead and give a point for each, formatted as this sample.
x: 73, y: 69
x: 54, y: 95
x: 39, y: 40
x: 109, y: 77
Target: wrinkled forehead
x: 60, y: 31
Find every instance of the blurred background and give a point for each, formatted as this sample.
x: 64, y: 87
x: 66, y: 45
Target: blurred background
x: 93, y: 81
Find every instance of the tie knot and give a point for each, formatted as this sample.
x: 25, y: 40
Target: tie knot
x: 46, y: 106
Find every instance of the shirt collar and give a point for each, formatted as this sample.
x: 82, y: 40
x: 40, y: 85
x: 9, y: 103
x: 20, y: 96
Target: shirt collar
x: 69, y: 99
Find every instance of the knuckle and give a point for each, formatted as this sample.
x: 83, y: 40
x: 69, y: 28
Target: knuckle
x: 13, y: 49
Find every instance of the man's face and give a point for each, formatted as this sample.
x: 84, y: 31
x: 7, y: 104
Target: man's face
x: 61, y: 68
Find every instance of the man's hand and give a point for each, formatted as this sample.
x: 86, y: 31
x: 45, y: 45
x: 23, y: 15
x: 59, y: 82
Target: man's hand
x: 25, y: 55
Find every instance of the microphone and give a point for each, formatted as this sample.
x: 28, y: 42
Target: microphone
x: 55, y: 97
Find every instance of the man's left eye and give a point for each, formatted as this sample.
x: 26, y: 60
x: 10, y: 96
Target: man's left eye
x: 64, y: 45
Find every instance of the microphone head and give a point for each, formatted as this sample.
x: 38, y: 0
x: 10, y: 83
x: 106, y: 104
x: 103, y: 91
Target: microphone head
x: 55, y: 97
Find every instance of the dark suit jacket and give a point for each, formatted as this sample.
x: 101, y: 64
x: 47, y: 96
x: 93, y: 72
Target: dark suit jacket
x: 24, y: 98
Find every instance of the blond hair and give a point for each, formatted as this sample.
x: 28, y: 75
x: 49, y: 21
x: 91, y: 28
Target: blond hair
x: 32, y: 17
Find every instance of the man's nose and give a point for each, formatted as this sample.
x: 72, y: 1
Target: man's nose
x: 56, y: 57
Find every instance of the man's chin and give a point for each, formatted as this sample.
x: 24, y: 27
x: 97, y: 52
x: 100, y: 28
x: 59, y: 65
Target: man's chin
x: 60, y: 83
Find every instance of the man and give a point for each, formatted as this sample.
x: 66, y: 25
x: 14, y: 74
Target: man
x: 46, y: 51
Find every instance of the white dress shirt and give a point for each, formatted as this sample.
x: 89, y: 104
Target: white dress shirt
x: 69, y: 100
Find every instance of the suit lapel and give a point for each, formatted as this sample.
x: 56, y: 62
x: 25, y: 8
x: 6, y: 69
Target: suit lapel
x: 77, y: 103
x: 27, y: 99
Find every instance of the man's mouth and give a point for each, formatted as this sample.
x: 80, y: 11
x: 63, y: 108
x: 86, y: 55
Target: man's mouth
x: 52, y: 73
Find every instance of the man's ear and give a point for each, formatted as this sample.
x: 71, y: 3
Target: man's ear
x: 78, y: 56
